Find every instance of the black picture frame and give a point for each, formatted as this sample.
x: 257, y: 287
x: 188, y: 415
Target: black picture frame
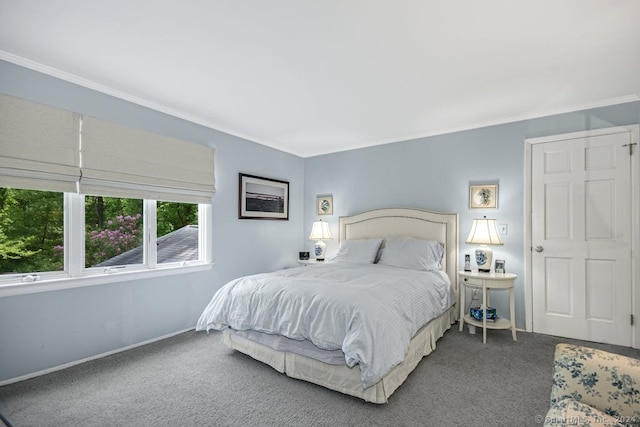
x: 262, y: 198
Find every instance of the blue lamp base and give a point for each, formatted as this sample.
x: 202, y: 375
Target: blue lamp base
x: 484, y: 258
x: 319, y: 250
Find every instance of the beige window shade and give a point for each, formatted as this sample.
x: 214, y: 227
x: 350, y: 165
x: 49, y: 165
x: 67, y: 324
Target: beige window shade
x: 38, y: 146
x: 119, y: 161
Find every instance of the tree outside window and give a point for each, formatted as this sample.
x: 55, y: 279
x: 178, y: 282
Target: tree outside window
x: 31, y: 228
x: 32, y: 231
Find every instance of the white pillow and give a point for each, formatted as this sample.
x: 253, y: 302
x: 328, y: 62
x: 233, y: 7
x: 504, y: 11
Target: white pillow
x: 358, y: 251
x: 416, y: 254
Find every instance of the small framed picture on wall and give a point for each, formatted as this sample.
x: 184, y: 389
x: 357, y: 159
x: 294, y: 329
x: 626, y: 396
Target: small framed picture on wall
x: 483, y: 196
x: 324, y: 205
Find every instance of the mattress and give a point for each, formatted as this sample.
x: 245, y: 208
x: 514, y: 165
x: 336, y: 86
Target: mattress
x: 301, y: 347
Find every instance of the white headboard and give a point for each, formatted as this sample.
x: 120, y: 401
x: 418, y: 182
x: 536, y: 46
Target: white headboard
x: 418, y: 223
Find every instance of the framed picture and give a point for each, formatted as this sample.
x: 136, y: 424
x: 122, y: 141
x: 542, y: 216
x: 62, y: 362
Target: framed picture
x: 483, y: 196
x: 500, y: 266
x: 262, y: 198
x: 324, y: 205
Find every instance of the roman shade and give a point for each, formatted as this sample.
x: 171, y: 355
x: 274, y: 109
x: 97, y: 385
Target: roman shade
x: 38, y: 146
x: 120, y: 161
x: 48, y: 148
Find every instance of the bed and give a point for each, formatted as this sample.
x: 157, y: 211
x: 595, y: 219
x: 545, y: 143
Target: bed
x: 365, y: 369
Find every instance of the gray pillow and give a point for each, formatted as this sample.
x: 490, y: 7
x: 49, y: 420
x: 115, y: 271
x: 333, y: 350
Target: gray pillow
x: 361, y: 251
x: 416, y: 254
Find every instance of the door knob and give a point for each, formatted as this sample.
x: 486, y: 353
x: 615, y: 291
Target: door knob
x: 539, y: 249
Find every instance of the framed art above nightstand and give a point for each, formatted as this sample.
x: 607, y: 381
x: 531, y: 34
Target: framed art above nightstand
x: 483, y: 196
x: 324, y: 205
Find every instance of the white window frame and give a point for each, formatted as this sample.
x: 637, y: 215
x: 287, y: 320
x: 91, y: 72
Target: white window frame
x: 76, y: 275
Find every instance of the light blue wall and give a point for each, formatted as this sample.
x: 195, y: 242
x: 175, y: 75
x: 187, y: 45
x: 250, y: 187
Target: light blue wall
x: 48, y: 329
x: 44, y: 330
x: 435, y: 173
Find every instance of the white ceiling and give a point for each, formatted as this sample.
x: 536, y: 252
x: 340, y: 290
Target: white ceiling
x: 317, y: 76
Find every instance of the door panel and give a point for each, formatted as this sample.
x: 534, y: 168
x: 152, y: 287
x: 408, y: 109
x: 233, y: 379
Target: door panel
x: 557, y: 211
x: 600, y: 279
x: 557, y: 285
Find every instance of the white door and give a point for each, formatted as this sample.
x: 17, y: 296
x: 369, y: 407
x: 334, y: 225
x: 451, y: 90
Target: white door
x: 581, y: 236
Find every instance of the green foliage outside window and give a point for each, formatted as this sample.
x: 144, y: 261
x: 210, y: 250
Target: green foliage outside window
x: 112, y: 226
x: 32, y: 228
x: 173, y: 216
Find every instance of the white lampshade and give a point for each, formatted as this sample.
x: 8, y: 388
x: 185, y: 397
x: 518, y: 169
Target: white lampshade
x: 484, y: 232
x: 320, y: 231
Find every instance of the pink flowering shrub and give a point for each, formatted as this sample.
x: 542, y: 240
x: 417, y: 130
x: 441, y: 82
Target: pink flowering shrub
x: 120, y: 235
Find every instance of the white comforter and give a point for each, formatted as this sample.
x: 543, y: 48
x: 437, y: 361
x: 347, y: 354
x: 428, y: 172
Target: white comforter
x: 370, y: 312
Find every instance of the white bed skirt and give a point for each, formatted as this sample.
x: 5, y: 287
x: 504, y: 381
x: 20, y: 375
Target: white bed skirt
x: 340, y: 377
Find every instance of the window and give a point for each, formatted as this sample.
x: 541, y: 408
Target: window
x: 113, y: 231
x: 82, y: 197
x: 31, y: 231
x: 177, y: 232
x: 42, y: 236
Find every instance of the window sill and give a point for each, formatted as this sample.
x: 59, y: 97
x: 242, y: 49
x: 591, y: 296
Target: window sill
x: 57, y: 284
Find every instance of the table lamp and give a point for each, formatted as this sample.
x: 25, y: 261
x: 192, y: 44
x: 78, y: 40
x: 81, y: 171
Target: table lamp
x: 484, y: 232
x: 319, y: 232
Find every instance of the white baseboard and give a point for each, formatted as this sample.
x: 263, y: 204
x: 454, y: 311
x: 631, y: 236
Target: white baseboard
x: 87, y: 359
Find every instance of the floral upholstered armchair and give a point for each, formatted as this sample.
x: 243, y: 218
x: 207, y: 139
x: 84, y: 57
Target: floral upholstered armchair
x: 594, y: 387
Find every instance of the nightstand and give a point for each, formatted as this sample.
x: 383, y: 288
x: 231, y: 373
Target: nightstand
x: 488, y: 282
x: 310, y: 261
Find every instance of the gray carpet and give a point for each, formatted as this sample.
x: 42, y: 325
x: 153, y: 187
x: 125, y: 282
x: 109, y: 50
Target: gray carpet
x: 193, y: 380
